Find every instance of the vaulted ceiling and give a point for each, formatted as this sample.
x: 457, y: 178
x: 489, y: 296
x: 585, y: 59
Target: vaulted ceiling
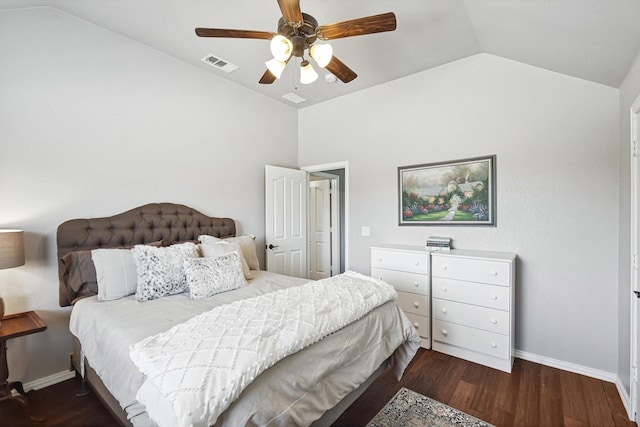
x: 596, y: 40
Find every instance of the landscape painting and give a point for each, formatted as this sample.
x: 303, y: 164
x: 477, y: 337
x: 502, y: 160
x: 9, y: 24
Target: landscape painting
x: 458, y: 192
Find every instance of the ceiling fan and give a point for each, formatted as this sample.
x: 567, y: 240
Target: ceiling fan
x: 298, y: 32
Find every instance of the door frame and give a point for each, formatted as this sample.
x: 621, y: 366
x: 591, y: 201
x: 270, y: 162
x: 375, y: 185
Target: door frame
x: 634, y: 123
x: 328, y: 167
x: 334, y: 215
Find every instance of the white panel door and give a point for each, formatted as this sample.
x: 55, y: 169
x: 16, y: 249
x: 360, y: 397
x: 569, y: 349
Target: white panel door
x: 319, y: 229
x: 286, y: 221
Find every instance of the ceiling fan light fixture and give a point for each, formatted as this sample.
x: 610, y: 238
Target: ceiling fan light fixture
x: 307, y: 73
x: 276, y: 67
x: 281, y: 47
x: 322, y: 53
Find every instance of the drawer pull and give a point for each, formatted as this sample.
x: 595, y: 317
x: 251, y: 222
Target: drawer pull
x: 416, y: 304
x: 380, y: 277
x: 494, y: 297
x: 494, y: 273
x: 444, y: 310
x: 416, y: 325
x: 494, y: 321
x: 416, y: 284
x: 417, y: 263
x: 445, y: 332
x: 444, y: 266
x: 494, y: 345
x: 444, y: 289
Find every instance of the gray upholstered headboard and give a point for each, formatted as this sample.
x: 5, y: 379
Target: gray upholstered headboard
x: 155, y: 222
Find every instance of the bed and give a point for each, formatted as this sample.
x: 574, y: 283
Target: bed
x: 310, y: 386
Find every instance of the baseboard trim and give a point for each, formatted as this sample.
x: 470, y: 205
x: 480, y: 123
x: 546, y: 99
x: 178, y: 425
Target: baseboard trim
x: 582, y: 370
x: 567, y: 366
x: 47, y: 381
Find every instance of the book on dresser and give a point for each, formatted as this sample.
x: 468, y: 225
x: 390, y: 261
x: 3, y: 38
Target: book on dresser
x: 473, y: 313
x: 406, y: 268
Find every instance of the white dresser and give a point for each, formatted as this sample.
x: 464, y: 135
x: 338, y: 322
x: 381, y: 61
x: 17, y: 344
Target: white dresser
x: 473, y: 306
x: 406, y: 268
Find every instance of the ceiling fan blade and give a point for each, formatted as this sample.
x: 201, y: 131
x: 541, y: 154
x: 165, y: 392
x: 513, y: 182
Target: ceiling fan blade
x: 236, y: 34
x: 267, y: 78
x: 291, y: 11
x: 358, y: 27
x: 340, y: 70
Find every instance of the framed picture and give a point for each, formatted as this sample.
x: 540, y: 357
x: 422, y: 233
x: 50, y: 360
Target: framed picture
x: 461, y: 192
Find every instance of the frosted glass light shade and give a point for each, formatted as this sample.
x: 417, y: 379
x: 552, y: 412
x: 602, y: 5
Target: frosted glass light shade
x: 276, y: 67
x: 322, y: 53
x: 307, y: 73
x: 281, y: 48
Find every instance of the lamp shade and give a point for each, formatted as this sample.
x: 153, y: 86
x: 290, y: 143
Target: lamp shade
x: 281, y: 48
x: 307, y: 73
x: 276, y: 67
x: 11, y: 248
x: 322, y: 53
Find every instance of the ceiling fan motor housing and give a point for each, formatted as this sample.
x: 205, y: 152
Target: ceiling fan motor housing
x: 301, y: 36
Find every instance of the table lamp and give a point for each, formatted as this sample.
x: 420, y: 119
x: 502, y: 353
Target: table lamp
x: 11, y: 254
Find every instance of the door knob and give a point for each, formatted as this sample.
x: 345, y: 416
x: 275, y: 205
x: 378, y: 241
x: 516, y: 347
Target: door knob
x: 272, y: 246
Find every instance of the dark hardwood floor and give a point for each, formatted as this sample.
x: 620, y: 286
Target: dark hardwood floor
x: 532, y: 395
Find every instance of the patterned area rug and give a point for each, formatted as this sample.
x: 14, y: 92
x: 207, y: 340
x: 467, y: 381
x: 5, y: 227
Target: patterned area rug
x: 411, y: 409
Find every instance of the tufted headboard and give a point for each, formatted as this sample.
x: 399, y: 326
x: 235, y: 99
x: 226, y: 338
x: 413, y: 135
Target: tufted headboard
x: 156, y: 222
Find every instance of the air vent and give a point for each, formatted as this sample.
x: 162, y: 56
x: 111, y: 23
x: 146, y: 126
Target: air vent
x: 219, y: 63
x: 293, y: 98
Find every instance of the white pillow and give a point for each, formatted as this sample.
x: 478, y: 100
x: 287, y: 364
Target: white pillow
x: 116, y: 273
x: 160, y: 270
x: 216, y: 248
x: 210, y: 276
x: 247, y: 243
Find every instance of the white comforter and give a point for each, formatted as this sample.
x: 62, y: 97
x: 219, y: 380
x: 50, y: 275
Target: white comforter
x: 292, y: 392
x: 202, y: 365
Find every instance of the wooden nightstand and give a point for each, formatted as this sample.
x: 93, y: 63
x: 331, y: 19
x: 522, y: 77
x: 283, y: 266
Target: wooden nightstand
x: 12, y: 326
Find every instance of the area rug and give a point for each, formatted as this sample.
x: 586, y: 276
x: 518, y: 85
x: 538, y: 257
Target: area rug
x: 410, y: 409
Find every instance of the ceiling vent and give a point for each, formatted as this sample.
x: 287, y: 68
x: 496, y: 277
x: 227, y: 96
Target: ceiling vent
x: 219, y: 63
x: 293, y: 98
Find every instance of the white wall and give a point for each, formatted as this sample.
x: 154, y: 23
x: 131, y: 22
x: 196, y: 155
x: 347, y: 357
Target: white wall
x: 92, y: 124
x: 556, y: 139
x: 629, y: 92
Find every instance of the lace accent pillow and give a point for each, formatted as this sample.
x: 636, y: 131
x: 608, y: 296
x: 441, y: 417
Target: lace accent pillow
x: 210, y: 276
x: 160, y: 270
x: 247, y: 244
x: 221, y: 247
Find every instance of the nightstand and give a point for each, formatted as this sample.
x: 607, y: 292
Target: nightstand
x: 12, y: 326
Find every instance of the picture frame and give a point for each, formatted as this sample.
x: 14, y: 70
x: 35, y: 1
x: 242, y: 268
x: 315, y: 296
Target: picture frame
x: 460, y: 192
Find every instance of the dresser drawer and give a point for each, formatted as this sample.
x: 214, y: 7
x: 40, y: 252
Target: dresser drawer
x: 413, y: 303
x: 489, y: 319
x: 469, y: 269
x: 473, y: 339
x: 402, y: 281
x: 409, y: 261
x: 471, y: 293
x: 421, y: 323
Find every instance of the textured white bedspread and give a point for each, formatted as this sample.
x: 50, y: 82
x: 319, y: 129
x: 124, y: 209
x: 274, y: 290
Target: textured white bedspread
x: 292, y: 392
x: 203, y: 364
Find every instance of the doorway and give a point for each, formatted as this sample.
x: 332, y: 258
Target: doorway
x: 337, y: 174
x: 288, y: 195
x: 323, y: 225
